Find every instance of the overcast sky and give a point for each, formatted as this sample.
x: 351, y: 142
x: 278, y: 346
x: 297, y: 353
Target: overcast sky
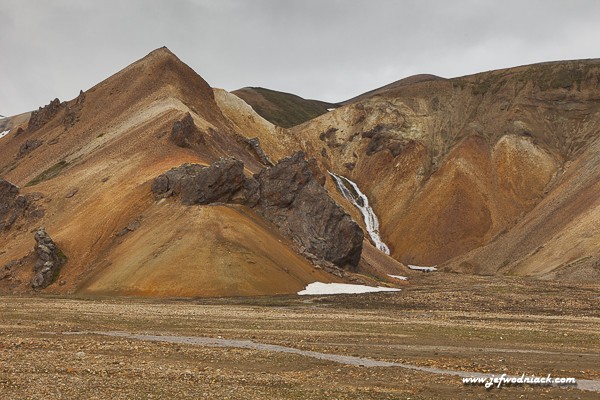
x: 324, y: 49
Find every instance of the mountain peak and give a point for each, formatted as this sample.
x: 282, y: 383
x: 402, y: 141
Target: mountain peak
x: 162, y: 52
x: 159, y: 56
x: 158, y: 74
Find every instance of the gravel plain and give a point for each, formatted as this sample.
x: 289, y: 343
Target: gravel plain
x: 445, y: 321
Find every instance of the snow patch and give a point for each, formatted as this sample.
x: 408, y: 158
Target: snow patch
x: 330, y: 109
x: 361, y: 202
x: 423, y: 269
x: 402, y: 278
x: 2, y: 134
x: 317, y: 288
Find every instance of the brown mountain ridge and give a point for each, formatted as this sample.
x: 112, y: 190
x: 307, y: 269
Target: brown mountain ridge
x: 491, y: 173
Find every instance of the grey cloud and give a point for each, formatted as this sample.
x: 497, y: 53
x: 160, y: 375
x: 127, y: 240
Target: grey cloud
x: 327, y: 49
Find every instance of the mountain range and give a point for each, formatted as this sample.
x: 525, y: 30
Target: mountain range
x: 152, y: 183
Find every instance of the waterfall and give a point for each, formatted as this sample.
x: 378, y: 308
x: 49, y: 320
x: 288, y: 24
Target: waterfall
x: 360, y: 201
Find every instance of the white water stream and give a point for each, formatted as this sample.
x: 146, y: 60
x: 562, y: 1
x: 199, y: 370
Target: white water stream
x: 361, y: 202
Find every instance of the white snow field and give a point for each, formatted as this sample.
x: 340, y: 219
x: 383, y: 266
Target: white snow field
x: 424, y: 269
x: 317, y: 288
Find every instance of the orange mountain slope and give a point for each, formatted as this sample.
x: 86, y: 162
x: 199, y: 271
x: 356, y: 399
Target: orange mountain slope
x: 453, y: 165
x: 89, y: 165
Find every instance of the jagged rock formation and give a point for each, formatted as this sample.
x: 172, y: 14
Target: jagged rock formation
x: 185, y: 133
x: 14, y: 206
x: 253, y: 144
x: 72, y: 113
x: 8, y: 192
x: 44, y: 114
x: 49, y: 260
x: 290, y: 195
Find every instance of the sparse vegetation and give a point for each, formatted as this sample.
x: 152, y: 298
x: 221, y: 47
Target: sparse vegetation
x: 567, y: 75
x: 567, y: 78
x: 551, y: 76
x: 49, y: 173
x: 481, y: 87
x: 282, y: 109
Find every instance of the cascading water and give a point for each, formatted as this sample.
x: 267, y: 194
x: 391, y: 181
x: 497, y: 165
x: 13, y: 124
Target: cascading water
x: 361, y: 202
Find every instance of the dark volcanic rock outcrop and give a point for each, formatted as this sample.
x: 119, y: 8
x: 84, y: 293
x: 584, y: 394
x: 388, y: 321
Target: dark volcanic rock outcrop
x: 13, y: 206
x: 44, y: 114
x: 290, y: 195
x: 72, y: 112
x: 293, y: 198
x: 254, y: 146
x: 49, y: 260
x: 222, y: 181
x: 185, y: 133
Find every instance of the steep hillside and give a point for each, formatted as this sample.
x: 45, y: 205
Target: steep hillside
x: 85, y: 168
x: 282, y: 109
x: 453, y: 165
x: 559, y: 238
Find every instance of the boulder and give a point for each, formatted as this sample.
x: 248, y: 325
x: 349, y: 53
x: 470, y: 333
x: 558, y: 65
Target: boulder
x: 49, y: 260
x: 73, y: 112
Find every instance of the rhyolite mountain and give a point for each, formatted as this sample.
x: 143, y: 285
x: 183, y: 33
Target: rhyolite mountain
x: 153, y: 183
x: 492, y: 173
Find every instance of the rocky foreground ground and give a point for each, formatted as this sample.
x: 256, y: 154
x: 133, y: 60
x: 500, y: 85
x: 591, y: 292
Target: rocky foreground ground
x: 451, y: 322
